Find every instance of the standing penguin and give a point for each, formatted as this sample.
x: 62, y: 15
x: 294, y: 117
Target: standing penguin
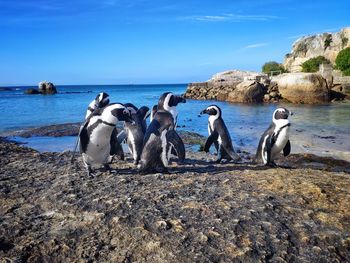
x: 168, y: 102
x: 219, y: 135
x: 159, y: 138
x: 153, y: 112
x: 135, y: 131
x: 275, y: 138
x: 99, y: 102
x: 96, y: 134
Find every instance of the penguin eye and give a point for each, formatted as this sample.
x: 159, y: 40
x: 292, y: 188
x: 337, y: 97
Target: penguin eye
x: 126, y: 112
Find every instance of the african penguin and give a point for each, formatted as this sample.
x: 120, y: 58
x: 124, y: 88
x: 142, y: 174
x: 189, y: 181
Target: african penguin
x: 99, y: 102
x: 153, y: 112
x: 96, y: 140
x: 219, y: 135
x: 275, y: 138
x: 168, y: 102
x: 135, y: 131
x: 159, y: 137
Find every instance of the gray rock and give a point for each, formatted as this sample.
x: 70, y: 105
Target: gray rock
x: 31, y: 91
x: 47, y: 88
x: 308, y: 88
x: 247, y: 92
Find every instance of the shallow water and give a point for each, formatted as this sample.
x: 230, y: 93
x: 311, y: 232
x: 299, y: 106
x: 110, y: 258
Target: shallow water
x: 322, y: 129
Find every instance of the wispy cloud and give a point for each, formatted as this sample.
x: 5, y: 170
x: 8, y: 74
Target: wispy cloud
x: 229, y: 18
x: 257, y: 45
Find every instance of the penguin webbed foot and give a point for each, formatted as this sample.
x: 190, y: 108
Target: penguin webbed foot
x: 106, y: 168
x: 218, y: 161
x: 89, y: 172
x: 272, y: 164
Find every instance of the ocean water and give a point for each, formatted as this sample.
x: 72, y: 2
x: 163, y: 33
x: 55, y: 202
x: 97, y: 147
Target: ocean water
x: 322, y: 128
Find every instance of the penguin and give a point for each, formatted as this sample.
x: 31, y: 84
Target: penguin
x: 159, y: 138
x: 153, y: 112
x: 168, y: 102
x: 275, y: 138
x: 219, y: 135
x: 96, y: 140
x: 135, y: 131
x: 99, y: 102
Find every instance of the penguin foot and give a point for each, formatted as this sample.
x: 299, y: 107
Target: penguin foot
x: 106, y: 168
x: 89, y: 171
x: 272, y: 165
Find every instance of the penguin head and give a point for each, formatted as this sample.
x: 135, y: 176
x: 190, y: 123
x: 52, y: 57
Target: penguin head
x: 280, y: 114
x: 101, y: 100
x: 143, y: 112
x: 168, y: 100
x: 116, y: 112
x: 131, y: 107
x: 212, y: 110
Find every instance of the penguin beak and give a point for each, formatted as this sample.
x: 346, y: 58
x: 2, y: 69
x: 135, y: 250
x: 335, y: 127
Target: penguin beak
x: 181, y: 99
x: 203, y: 112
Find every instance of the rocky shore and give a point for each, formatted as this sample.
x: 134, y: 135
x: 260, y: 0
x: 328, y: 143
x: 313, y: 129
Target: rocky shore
x: 201, y: 212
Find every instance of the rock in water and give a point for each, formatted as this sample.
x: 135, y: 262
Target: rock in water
x: 31, y: 91
x: 307, y: 88
x: 247, y: 92
x: 47, y: 88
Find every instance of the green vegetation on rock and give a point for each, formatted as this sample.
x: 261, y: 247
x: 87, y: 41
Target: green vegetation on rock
x: 274, y: 67
x: 313, y: 64
x: 342, y: 61
x: 328, y: 41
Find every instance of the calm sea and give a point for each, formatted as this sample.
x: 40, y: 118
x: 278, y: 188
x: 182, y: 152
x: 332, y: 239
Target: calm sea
x: 327, y: 125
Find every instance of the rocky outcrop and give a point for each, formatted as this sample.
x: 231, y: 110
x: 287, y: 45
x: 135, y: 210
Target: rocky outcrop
x: 201, y: 212
x: 47, y: 88
x: 326, y: 44
x: 309, y: 88
x: 221, y: 85
x: 247, y: 92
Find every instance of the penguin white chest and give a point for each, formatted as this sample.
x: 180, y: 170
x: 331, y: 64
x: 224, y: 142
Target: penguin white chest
x: 281, y: 140
x: 99, y: 146
x: 212, y: 119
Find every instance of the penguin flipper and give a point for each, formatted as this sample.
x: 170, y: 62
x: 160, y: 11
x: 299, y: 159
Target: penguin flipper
x: 175, y: 140
x: 213, y: 137
x: 286, y: 149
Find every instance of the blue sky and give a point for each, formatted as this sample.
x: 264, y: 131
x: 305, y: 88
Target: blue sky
x: 160, y: 41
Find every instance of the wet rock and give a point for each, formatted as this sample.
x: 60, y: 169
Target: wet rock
x: 31, y: 91
x: 51, y: 211
x: 46, y: 87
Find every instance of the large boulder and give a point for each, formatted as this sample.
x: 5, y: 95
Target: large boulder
x: 309, y: 88
x: 47, y: 88
x: 247, y: 92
